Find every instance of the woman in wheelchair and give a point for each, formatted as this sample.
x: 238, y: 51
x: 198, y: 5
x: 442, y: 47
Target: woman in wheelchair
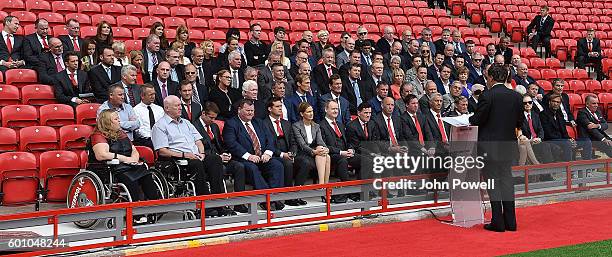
x: 109, y: 142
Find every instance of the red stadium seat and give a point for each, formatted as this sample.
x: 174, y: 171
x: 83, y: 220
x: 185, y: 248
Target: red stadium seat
x: 133, y: 45
x: 574, y: 100
x: 241, y: 14
x: 57, y: 168
x: 140, y: 33
x: 147, y: 21
x: 113, y: 9
x: 280, y: 5
x: 19, y: 181
x: 25, y: 17
x: 89, y: 8
x: 165, y: 2
x: 146, y: 154
x: 73, y: 137
x: 545, y: 84
x: 9, y: 140
x: 537, y: 63
x: 594, y: 86
x: 122, y: 33
x: 145, y: 2
x: 220, y: 13
x: 52, y: 17
x: 159, y: 11
x: 56, y: 115
x: 136, y: 10
x: 215, y: 35
x: 298, y: 26
x: 20, y: 77
x: 298, y: 16
x: 226, y: 3
x: 280, y: 15
x: 534, y: 73
x: 218, y: 24
x: 38, y: 139
x: 83, y: 19
x: 97, y: 18
x: 128, y: 21
x: 580, y: 74
x: 548, y: 74
x: 239, y: 24
x: 85, y: 114
x: 552, y: 63
x: 316, y: 26
x: 12, y: 5
x: 37, y: 6
x: 565, y: 74
x: 173, y: 22
x: 206, y: 3
x: 9, y: 95
x: 577, y: 86
x: 244, y: 4
x: 261, y: 15
x: 197, y: 23
x: 37, y: 95
x: 187, y: 3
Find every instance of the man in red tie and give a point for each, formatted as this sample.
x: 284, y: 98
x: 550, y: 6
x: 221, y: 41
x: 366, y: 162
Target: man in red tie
x: 592, y: 126
x: 72, y: 41
x: 322, y: 72
x: 190, y: 109
x: 37, y: 42
x: 416, y: 125
x: 362, y: 136
x: 589, y: 52
x: 436, y: 131
x: 11, y: 45
x: 72, y: 85
x: 51, y: 62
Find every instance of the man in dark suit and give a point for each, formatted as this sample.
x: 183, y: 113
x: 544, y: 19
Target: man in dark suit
x: 249, y: 91
x: 533, y: 130
x: 322, y: 72
x: 592, y: 126
x: 335, y: 94
x: 490, y: 57
x: 213, y: 145
x: 362, y: 136
x: 567, y: 115
x: 396, y: 50
x: 50, y: 63
x: 437, y: 132
x: 504, y: 49
x: 499, y: 114
x: 128, y: 82
x: 415, y: 122
x: 235, y: 69
x: 301, y: 95
x: 104, y: 75
x: 36, y: 42
x: 522, y: 76
x: 354, y: 90
x: 177, y: 70
x: 433, y: 71
x: 204, y: 76
x: 266, y: 77
x: 11, y: 45
x: 444, y: 39
x: 152, y: 56
x: 72, y: 84
x: 163, y: 85
x: 555, y: 131
x: 476, y: 70
x: 249, y: 141
x: 200, y: 91
x: 385, y: 43
x: 391, y: 129
x: 540, y: 29
x: 72, y: 41
x: 190, y: 110
x: 589, y: 51
x: 430, y: 88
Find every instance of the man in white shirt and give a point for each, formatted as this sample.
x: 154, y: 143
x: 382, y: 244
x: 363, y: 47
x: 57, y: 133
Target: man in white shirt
x: 147, y: 113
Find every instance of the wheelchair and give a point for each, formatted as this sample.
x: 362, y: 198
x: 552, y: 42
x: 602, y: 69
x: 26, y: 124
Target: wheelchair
x: 96, y: 185
x: 178, y: 180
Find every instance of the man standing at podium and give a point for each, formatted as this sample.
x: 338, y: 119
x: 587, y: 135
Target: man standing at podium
x: 498, y: 115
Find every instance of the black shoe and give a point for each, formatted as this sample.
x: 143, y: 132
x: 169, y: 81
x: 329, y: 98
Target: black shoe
x: 401, y: 192
x: 301, y: 201
x: 339, y: 199
x: 211, y: 213
x: 292, y: 202
x: 278, y: 205
x: 494, y: 229
x: 355, y: 197
x: 264, y: 206
x: 225, y: 211
x: 241, y: 208
x: 510, y: 229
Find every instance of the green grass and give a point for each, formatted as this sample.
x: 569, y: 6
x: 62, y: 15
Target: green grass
x: 595, y: 249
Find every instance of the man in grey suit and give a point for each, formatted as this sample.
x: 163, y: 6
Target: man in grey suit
x: 266, y: 77
x: 128, y: 80
x: 343, y: 57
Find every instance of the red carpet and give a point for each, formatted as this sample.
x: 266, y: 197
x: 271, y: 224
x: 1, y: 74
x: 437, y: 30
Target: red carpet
x: 540, y: 227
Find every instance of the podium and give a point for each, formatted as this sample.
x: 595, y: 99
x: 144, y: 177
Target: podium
x: 466, y: 204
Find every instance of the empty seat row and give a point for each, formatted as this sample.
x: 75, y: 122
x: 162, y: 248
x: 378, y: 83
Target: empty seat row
x: 55, y: 115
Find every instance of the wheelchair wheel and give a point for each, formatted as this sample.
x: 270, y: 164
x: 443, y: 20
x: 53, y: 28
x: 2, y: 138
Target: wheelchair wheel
x: 161, y: 183
x: 85, y: 189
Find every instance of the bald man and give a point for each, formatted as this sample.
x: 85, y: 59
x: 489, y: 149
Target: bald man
x: 51, y: 62
x: 522, y: 76
x: 162, y: 83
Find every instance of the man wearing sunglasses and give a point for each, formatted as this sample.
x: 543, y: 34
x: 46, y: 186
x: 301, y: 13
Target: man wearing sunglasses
x: 362, y: 37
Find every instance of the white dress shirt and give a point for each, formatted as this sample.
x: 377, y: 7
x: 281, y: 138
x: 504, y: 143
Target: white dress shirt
x: 308, y: 133
x: 142, y: 113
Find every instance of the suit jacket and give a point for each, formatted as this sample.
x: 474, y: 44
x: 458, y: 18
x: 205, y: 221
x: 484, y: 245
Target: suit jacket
x: 383, y: 46
x: 553, y: 124
x: 295, y: 101
x: 506, y: 53
x: 439, y: 44
x: 17, y: 52
x: 585, y: 117
x: 266, y: 80
x: 180, y: 73
x: 282, y: 144
x: 68, y: 44
x: 399, y: 130
x: 366, y: 92
x: 357, y: 140
x: 521, y: 81
x: 239, y: 142
x: 196, y: 111
x: 404, y: 64
x: 472, y: 104
x: 64, y: 91
x: 498, y: 114
x: 341, y: 59
x: 564, y: 101
x: 203, y: 92
x: 225, y: 105
x: 424, y: 103
x: 432, y: 135
x: 211, y: 146
x: 146, y: 76
x: 412, y: 133
x: 583, y: 48
x: 537, y: 126
x: 33, y: 48
x: 46, y: 68
x: 319, y: 75
x: 333, y: 142
x: 299, y: 134
x: 134, y: 90
x: 474, y: 77
x: 344, y: 116
x: 100, y: 81
x: 172, y: 88
x: 544, y: 30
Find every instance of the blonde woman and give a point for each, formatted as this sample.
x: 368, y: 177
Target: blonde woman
x: 136, y: 59
x: 323, y: 36
x: 426, y: 57
x: 180, y: 48
x: 312, y: 150
x: 278, y: 46
x: 182, y: 38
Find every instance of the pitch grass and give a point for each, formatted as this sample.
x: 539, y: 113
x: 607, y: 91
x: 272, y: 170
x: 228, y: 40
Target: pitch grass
x: 594, y: 249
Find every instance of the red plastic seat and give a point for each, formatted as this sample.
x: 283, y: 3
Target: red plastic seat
x: 83, y: 19
x: 9, y: 140
x: 122, y: 33
x: 173, y: 22
x: 241, y: 14
x: 73, y: 137
x: 25, y: 17
x: 261, y: 15
x: 534, y: 73
x: 57, y: 168
x: 547, y: 74
x: 136, y: 10
x: 206, y: 3
x: 220, y: 13
x: 577, y: 86
x: 298, y: 16
x: 113, y: 9
x: 187, y: 3
x: 580, y: 74
x: 52, y: 17
x: 280, y: 15
x: 19, y: 116
x: 197, y: 23
x: 545, y: 84
x: 537, y: 63
x: 565, y: 74
x: 594, y: 86
x: 280, y: 5
x: 244, y: 4
x: 86, y: 113
x: 9, y: 95
x: 19, y: 181
x: 147, y: 21
x: 37, y: 95
x: 38, y: 139
x: 12, y: 5
x: 89, y: 8
x: 165, y: 2
x: 316, y: 26
x: 145, y: 2
x: 218, y: 24
x: 159, y: 11
x: 239, y: 24
x: 97, y: 18
x: 56, y: 115
x: 37, y: 5
x: 128, y: 21
x: 147, y: 154
x: 133, y: 45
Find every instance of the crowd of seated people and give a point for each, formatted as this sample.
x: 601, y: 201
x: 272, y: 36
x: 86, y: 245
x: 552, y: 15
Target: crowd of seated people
x: 312, y: 103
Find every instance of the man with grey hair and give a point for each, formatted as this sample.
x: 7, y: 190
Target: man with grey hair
x: 460, y: 47
x: 200, y: 91
x: 426, y: 37
x: 116, y: 101
x: 250, y: 92
x: 204, y: 72
x: 395, y: 50
x: 437, y: 131
x: 11, y: 56
x: 152, y: 56
x: 522, y: 76
x: 343, y: 57
x: 234, y: 59
x: 385, y: 43
x: 128, y: 82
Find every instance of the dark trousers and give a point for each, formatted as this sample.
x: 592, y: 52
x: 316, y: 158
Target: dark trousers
x: 581, y: 62
x: 502, y: 194
x: 197, y: 167
x: 306, y: 164
x: 601, y: 146
x: 214, y: 172
x: 288, y: 171
x: 339, y: 165
x: 537, y: 39
x: 566, y: 148
x: 237, y: 170
x: 258, y: 172
x: 146, y: 183
x: 544, y: 151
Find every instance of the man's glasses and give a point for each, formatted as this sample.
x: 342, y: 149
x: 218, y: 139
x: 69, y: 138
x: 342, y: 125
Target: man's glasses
x: 190, y: 72
x: 477, y: 60
x: 529, y: 102
x: 362, y: 33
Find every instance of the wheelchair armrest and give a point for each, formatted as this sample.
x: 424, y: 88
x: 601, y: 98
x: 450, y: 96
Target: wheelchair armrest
x: 181, y: 162
x: 113, y: 162
x: 177, y: 161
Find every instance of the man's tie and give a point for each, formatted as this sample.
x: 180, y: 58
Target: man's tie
x: 108, y: 73
x: 196, y: 95
x: 201, y: 75
x: 365, y: 130
x: 173, y: 75
x: 595, y: 116
x: 419, y: 130
x: 210, y: 134
x: 357, y: 93
x: 279, y: 129
x: 44, y: 41
x: 75, y: 84
x: 337, y: 100
x: 151, y: 117
x: 457, y: 47
x: 164, y: 91
x: 441, y: 128
x: 590, y: 44
x: 254, y: 138
x: 336, y: 129
x: 235, y: 80
x: 58, y: 64
x: 131, y: 97
x: 9, y: 44
x: 542, y: 22
x: 329, y: 72
x: 75, y: 44
x: 303, y: 97
x: 391, y: 134
x: 188, y: 109
x: 531, y: 129
x: 154, y: 59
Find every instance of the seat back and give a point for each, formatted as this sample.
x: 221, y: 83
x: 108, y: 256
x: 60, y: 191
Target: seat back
x: 87, y: 113
x: 9, y: 94
x: 147, y: 154
x: 9, y: 140
x: 57, y: 168
x: 19, y: 181
x: 37, y: 139
x: 19, y: 116
x: 74, y: 136
x: 56, y: 115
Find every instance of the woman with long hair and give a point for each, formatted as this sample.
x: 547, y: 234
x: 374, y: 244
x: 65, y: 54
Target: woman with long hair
x: 426, y: 57
x: 210, y: 59
x: 182, y: 38
x: 278, y: 46
x: 180, y: 48
x: 88, y: 55
x: 312, y: 150
x: 103, y: 37
x: 158, y: 29
x: 109, y: 142
x: 136, y: 59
